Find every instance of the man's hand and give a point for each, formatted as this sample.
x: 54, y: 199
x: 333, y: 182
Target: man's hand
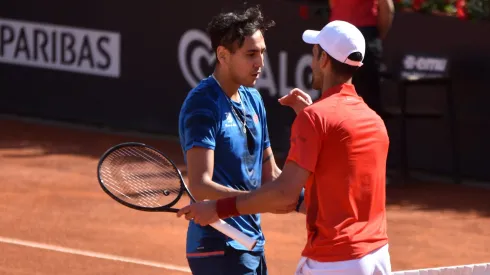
x: 202, y: 213
x: 296, y: 99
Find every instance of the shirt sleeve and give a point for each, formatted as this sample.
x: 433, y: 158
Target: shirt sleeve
x: 305, y: 142
x: 200, y: 123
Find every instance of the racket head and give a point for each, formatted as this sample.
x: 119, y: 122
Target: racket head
x: 130, y: 156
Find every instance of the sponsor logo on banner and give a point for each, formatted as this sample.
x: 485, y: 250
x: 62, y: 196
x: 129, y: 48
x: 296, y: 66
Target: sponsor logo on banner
x: 196, y: 60
x: 58, y: 47
x: 415, y: 66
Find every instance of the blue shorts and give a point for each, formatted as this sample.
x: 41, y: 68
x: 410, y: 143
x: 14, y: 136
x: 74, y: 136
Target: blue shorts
x: 231, y: 262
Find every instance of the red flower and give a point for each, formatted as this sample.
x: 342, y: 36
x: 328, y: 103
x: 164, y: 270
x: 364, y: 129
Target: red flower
x: 460, y: 9
x: 417, y: 4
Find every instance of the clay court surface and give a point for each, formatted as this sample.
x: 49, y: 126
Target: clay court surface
x: 55, y: 219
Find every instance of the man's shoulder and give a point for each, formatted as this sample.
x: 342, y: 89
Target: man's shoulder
x: 252, y: 93
x: 340, y: 112
x: 320, y: 114
x: 331, y: 108
x: 320, y: 110
x: 204, y: 95
x: 204, y: 89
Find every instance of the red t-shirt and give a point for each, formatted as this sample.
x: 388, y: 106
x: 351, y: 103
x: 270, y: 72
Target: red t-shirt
x: 360, y: 13
x: 345, y: 145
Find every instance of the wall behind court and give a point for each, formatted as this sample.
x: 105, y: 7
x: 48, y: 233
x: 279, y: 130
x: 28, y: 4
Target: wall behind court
x: 127, y: 66
x: 157, y: 52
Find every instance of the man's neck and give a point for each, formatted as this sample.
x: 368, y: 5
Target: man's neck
x: 227, y: 85
x: 332, y: 81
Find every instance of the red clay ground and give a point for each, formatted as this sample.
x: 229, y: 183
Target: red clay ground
x: 49, y: 194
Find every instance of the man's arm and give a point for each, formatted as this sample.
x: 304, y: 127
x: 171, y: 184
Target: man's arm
x: 270, y: 170
x: 282, y: 193
x: 200, y: 164
x: 279, y: 196
x: 386, y: 12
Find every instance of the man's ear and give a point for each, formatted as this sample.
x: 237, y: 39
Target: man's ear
x: 223, y: 55
x: 324, y: 59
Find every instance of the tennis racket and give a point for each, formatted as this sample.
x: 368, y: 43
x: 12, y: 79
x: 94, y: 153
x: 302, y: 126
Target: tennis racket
x: 141, y: 177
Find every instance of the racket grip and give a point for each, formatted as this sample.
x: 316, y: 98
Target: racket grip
x: 235, y: 234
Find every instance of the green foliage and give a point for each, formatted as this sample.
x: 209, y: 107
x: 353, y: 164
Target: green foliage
x: 478, y: 9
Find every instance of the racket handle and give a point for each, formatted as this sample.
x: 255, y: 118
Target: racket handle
x: 235, y: 234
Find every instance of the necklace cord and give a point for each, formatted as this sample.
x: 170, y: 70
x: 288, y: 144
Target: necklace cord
x: 244, y: 122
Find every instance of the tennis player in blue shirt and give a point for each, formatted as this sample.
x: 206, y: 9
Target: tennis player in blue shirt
x: 224, y: 137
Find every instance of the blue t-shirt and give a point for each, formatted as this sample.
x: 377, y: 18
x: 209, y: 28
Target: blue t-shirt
x: 206, y: 120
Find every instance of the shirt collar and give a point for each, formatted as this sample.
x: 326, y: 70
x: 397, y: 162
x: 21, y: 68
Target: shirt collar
x: 344, y: 89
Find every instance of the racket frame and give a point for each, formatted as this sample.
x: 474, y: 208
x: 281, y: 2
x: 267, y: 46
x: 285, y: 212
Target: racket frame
x: 165, y: 208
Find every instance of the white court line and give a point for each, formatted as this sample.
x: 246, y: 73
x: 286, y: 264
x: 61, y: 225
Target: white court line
x: 93, y: 254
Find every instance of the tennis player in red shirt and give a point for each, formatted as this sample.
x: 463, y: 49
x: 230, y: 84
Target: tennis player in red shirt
x: 338, y: 153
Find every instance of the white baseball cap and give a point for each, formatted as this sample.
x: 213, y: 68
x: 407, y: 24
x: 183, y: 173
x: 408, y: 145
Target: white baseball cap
x: 339, y: 39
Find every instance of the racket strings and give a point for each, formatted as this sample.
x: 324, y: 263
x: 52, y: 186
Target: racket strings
x: 140, y: 176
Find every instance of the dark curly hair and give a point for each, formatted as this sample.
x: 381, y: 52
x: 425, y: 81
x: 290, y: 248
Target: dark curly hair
x: 340, y: 68
x: 227, y: 28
